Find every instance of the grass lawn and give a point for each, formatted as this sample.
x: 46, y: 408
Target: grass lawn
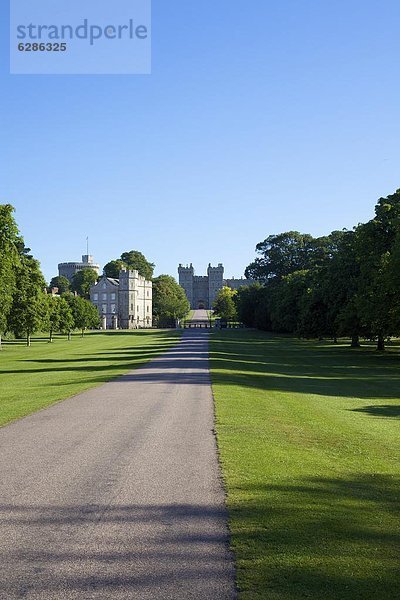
x: 32, y: 378
x: 309, y: 436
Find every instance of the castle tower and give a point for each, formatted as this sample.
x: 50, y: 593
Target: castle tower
x: 69, y: 269
x: 127, y: 300
x: 215, y: 281
x: 186, y: 275
x: 135, y: 300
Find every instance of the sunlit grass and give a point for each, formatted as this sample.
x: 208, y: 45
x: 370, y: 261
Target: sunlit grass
x: 35, y: 377
x: 309, y: 436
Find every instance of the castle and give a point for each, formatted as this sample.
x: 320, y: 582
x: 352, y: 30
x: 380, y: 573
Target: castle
x: 69, y: 269
x: 201, y: 291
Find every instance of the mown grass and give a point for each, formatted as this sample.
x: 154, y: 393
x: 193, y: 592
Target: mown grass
x: 35, y: 377
x: 309, y: 439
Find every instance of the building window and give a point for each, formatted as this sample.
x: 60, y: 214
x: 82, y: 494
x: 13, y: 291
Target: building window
x: 112, y: 296
x: 132, y: 307
x: 138, y: 310
x: 113, y: 309
x: 104, y: 308
x: 95, y: 297
x: 148, y: 308
x: 148, y: 293
x: 104, y: 297
x: 104, y: 286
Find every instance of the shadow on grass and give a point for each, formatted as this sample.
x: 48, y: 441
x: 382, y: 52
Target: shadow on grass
x: 168, y: 334
x: 320, y: 538
x: 185, y: 362
x: 276, y: 363
x: 380, y: 410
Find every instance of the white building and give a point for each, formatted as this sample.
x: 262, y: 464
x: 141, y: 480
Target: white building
x: 124, y: 303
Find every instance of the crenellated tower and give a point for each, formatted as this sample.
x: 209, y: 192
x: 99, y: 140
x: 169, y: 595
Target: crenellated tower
x: 215, y: 281
x: 186, y: 276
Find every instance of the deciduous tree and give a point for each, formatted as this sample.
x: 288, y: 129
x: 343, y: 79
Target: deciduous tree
x: 224, y: 305
x: 82, y: 281
x: 62, y: 283
x: 84, y: 313
x: 132, y: 260
x: 9, y: 259
x: 29, y: 307
x: 169, y: 301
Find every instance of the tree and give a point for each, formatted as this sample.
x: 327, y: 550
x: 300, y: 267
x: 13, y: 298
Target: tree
x: 283, y: 254
x: 62, y: 283
x: 84, y: 313
x: 29, y: 308
x: 65, y: 317
x: 169, y: 301
x: 134, y: 261
x: 52, y: 316
x: 58, y: 316
x: 224, y: 304
x: 376, y: 243
x: 286, y: 301
x: 9, y: 260
x: 247, y: 300
x: 82, y: 281
x: 113, y: 268
x: 393, y: 281
x: 286, y: 253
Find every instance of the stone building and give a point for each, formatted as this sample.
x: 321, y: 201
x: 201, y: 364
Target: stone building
x: 69, y: 269
x: 124, y: 303
x: 201, y: 291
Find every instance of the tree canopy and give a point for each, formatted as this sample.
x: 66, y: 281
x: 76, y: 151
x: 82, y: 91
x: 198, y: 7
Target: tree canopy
x: 28, y: 309
x: 169, y: 301
x: 25, y: 306
x: 62, y: 283
x: 224, y: 305
x: 132, y: 260
x: 84, y: 313
x: 346, y: 283
x: 82, y: 281
x: 9, y: 261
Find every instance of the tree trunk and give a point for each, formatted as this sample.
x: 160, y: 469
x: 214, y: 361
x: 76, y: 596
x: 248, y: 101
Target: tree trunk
x: 28, y: 340
x: 69, y: 336
x: 355, y: 341
x: 83, y: 332
x: 335, y: 341
x: 1, y: 347
x: 381, y: 343
x: 51, y: 336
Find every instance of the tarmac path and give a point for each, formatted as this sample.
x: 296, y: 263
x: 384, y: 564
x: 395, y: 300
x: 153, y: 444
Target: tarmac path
x: 116, y: 493
x: 200, y: 315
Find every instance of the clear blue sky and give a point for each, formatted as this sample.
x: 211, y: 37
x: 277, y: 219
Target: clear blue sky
x: 259, y: 117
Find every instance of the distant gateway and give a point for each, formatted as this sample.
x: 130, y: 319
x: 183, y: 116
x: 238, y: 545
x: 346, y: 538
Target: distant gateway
x: 201, y: 291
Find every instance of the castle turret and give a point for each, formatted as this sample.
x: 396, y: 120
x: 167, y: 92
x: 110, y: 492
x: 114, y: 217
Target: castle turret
x: 186, y: 275
x: 69, y: 269
x: 215, y: 281
x: 135, y: 300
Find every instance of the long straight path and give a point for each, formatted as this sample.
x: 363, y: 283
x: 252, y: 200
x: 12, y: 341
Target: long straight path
x: 116, y: 493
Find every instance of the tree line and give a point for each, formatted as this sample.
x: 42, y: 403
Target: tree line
x: 25, y: 305
x: 344, y: 284
x: 28, y: 306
